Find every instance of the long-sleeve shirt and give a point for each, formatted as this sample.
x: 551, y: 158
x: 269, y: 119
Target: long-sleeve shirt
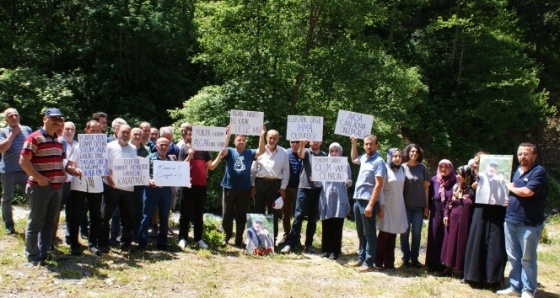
x: 272, y: 165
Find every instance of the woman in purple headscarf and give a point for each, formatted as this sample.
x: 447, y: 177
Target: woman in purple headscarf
x: 441, y: 191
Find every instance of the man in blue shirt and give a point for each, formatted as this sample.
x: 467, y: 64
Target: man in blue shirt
x: 11, y: 142
x: 524, y: 221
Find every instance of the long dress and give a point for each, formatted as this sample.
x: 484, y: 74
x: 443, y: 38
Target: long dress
x: 459, y: 212
x: 394, y: 219
x: 485, y: 256
x: 436, y: 228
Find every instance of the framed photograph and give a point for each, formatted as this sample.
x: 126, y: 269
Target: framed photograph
x: 494, y: 173
x: 259, y: 234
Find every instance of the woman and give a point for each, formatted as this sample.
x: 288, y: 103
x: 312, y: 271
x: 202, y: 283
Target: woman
x: 416, y: 187
x: 441, y: 191
x: 485, y: 256
x: 457, y: 220
x: 84, y: 190
x: 394, y: 219
x: 333, y: 208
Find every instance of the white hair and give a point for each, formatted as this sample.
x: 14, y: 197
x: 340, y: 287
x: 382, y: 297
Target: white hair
x: 165, y: 129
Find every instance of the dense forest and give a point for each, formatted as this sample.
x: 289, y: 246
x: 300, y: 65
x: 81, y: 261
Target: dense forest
x: 454, y: 77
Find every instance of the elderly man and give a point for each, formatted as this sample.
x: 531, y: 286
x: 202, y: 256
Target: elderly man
x: 114, y: 195
x: 67, y: 140
x: 12, y: 138
x: 307, y: 202
x: 42, y: 159
x: 524, y: 221
x: 154, y: 135
x: 270, y: 175
x: 141, y: 151
x: 236, y: 196
x: 369, y: 185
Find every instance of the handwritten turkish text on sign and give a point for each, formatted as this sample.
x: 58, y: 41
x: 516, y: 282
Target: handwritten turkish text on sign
x: 93, y: 156
x: 172, y: 173
x: 353, y: 124
x: 246, y: 122
x: 131, y: 171
x: 208, y: 138
x: 305, y: 127
x: 332, y: 169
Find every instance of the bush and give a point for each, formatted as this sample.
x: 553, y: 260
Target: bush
x: 212, y: 232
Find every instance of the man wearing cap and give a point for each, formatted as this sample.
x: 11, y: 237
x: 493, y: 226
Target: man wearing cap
x: 42, y: 158
x: 270, y: 173
x: 12, y: 138
x: 236, y: 195
x: 524, y: 221
x: 307, y: 202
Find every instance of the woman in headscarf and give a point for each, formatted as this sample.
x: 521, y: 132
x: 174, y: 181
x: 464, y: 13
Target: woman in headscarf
x: 394, y: 220
x: 458, y: 213
x: 333, y: 208
x: 441, y: 191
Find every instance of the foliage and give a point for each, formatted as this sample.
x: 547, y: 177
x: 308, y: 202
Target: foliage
x: 212, y: 234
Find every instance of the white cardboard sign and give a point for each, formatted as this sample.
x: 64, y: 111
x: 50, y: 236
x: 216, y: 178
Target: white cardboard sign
x: 329, y: 168
x: 305, y: 127
x: 209, y: 138
x: 353, y: 124
x: 93, y: 156
x: 131, y: 171
x: 172, y: 173
x: 248, y: 123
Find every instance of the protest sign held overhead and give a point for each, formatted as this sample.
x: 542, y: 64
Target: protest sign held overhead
x: 353, y: 124
x: 93, y: 157
x: 248, y: 123
x: 209, y: 138
x: 305, y: 127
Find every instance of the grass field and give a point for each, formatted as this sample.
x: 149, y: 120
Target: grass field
x: 229, y: 272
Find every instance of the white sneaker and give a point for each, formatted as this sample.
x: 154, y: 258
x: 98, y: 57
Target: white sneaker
x: 286, y: 249
x: 202, y: 244
x: 183, y: 244
x: 527, y: 295
x: 509, y: 292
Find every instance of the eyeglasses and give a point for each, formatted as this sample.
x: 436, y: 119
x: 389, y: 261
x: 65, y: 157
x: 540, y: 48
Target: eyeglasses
x: 524, y: 154
x: 294, y: 142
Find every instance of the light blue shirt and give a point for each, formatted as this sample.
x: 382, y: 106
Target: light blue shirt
x: 10, y: 158
x: 370, y: 168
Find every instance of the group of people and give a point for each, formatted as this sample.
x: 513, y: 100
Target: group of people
x: 393, y: 196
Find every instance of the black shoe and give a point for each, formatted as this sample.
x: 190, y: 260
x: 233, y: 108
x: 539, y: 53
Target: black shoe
x: 76, y: 251
x: 162, y: 246
x: 113, y: 242
x: 10, y: 231
x: 416, y: 264
x: 407, y: 264
x: 126, y: 247
x: 94, y: 250
x: 104, y: 249
x: 84, y: 236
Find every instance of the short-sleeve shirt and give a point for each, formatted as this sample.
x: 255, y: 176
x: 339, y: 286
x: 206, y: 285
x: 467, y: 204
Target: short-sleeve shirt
x: 370, y: 168
x: 528, y: 211
x: 199, y: 172
x: 47, y: 156
x: 305, y: 176
x: 114, y: 151
x: 84, y: 184
x: 154, y: 156
x: 414, y: 191
x: 238, y: 169
x: 10, y: 158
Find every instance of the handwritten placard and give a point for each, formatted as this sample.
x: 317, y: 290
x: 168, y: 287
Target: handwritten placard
x: 208, y: 138
x: 93, y: 157
x: 172, y: 173
x: 329, y: 168
x: 246, y: 122
x: 131, y: 171
x: 353, y: 124
x: 305, y: 127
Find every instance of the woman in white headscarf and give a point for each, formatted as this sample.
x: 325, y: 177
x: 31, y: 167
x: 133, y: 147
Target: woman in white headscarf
x: 333, y: 208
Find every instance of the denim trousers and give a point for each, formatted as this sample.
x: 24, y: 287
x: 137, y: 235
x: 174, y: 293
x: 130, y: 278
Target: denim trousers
x: 9, y: 182
x: 415, y: 217
x: 44, y: 204
x: 521, y: 247
x: 365, y: 226
x: 159, y: 197
x: 307, y: 203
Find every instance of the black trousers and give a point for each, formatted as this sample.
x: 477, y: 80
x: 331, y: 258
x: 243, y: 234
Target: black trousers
x: 192, y: 209
x: 331, y: 240
x: 266, y: 192
x: 111, y: 199
x: 75, y: 206
x: 235, y: 203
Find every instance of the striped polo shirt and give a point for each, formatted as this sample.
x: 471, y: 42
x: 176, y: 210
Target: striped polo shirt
x: 47, y: 155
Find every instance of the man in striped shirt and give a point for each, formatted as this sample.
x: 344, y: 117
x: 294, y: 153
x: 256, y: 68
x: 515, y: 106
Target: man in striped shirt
x: 42, y: 158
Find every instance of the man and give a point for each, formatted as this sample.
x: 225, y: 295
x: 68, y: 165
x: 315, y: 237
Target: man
x: 102, y: 119
x: 121, y: 196
x: 269, y: 177
x: 524, y: 221
x: 307, y: 202
x: 236, y: 196
x: 156, y: 196
x: 193, y: 199
x: 369, y: 185
x: 115, y: 128
x: 167, y: 132
x: 12, y: 138
x: 154, y: 134
x: 489, y: 189
x: 42, y: 159
x: 141, y: 151
x: 116, y: 217
x: 69, y: 144
x: 291, y: 190
x: 86, y: 195
x: 146, y: 141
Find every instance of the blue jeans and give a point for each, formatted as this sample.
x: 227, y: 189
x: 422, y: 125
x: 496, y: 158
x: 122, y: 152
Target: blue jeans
x: 307, y: 203
x: 365, y: 226
x: 159, y: 197
x: 9, y: 182
x: 415, y: 217
x: 44, y: 204
x: 521, y: 248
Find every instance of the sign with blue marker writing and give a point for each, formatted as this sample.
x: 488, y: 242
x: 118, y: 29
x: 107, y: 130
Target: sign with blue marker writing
x: 329, y: 168
x: 305, y: 127
x: 93, y: 156
x: 209, y: 138
x: 172, y: 173
x: 131, y: 171
x: 248, y: 123
x: 353, y: 124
